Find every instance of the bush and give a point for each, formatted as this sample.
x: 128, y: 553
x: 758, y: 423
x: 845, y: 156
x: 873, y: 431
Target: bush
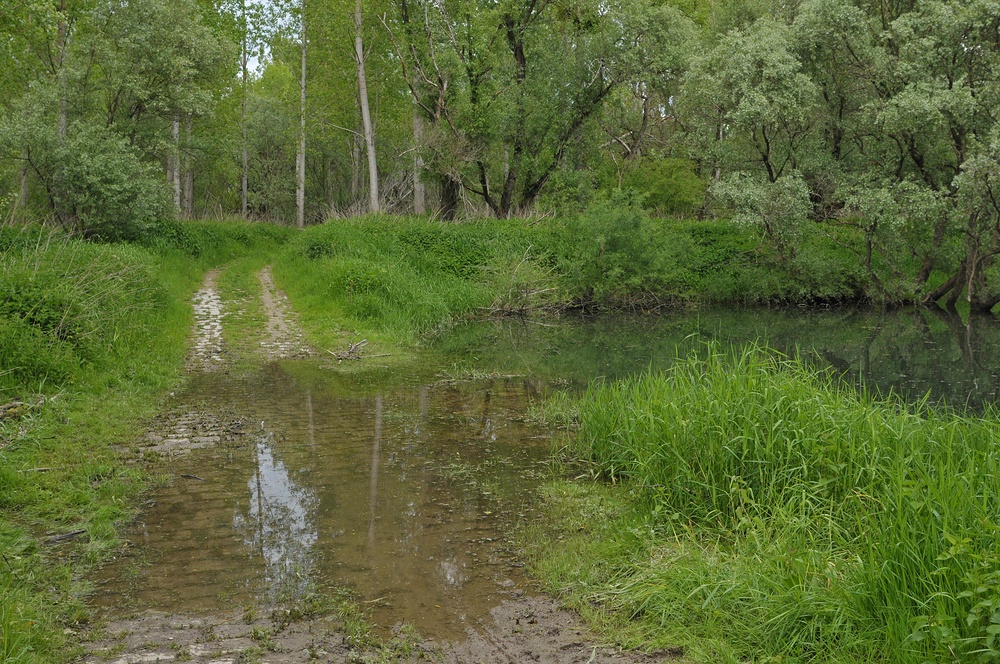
x: 101, y: 187
x: 667, y: 186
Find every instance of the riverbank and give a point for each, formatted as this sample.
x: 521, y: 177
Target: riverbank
x: 746, y: 508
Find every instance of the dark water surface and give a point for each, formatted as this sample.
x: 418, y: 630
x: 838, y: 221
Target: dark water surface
x: 404, y: 485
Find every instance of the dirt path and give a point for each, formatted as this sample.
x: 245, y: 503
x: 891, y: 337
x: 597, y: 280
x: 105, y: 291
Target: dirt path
x: 206, y: 347
x: 523, y: 628
x: 285, y: 338
x: 529, y: 629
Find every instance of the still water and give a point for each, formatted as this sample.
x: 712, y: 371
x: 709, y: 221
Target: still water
x: 404, y: 485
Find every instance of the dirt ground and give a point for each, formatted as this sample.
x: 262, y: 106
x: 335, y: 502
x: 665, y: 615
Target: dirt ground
x: 523, y: 628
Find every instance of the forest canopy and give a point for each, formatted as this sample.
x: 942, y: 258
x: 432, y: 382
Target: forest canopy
x: 874, y: 121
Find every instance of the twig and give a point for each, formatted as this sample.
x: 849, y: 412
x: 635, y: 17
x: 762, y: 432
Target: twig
x: 192, y: 477
x: 353, y: 352
x: 64, y: 537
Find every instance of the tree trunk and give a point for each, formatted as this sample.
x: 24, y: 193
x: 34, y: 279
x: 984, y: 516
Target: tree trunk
x: 188, y: 174
x: 300, y: 188
x: 22, y: 193
x: 451, y: 189
x: 62, y: 36
x: 355, y: 169
x: 175, y: 171
x: 419, y: 205
x: 245, y: 176
x: 366, y: 118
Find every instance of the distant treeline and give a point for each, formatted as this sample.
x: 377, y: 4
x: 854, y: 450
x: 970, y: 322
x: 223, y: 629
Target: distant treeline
x: 873, y: 121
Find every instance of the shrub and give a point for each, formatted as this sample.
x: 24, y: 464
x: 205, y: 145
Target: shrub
x: 668, y: 186
x: 101, y: 187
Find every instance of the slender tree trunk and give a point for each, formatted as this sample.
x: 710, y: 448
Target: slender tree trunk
x: 355, y: 168
x: 419, y: 192
x: 62, y: 32
x: 245, y: 176
x: 188, y: 174
x: 300, y: 189
x: 175, y: 171
x: 22, y: 194
x: 366, y: 118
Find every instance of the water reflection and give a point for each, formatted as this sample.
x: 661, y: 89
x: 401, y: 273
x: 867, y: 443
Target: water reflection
x: 402, y: 487
x: 279, y: 523
x: 910, y: 352
x: 373, y: 487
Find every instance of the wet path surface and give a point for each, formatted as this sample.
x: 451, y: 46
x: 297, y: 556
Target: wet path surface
x: 298, y: 481
x: 405, y: 497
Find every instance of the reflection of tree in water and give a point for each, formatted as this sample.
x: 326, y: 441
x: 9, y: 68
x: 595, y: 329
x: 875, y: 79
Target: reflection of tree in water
x: 279, y: 524
x: 911, y: 352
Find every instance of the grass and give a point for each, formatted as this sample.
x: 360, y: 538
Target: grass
x: 396, y: 279
x: 760, y: 511
x: 99, y: 331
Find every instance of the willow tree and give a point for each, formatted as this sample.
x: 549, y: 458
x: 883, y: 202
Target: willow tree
x: 507, y: 87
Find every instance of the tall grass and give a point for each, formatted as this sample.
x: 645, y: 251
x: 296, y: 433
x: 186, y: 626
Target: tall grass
x: 801, y: 517
x: 403, y: 277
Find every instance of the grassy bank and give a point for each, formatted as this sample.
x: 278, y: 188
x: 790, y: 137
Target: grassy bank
x: 762, y: 512
x: 90, y: 337
x: 397, y: 278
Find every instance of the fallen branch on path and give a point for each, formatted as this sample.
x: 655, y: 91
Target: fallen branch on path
x: 62, y: 538
x: 354, y: 352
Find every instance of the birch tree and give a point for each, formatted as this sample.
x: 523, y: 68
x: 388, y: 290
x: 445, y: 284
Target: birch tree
x: 366, y: 118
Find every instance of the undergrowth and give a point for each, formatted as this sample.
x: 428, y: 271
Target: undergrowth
x: 398, y: 278
x: 763, y: 512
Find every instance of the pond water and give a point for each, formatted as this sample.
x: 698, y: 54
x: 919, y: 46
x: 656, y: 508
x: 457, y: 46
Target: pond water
x: 405, y: 485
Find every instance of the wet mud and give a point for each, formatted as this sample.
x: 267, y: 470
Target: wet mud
x: 297, y: 481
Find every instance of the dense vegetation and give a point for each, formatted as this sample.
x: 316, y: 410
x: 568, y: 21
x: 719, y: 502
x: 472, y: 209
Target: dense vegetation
x: 766, y: 511
x: 634, y: 153
x: 793, y: 119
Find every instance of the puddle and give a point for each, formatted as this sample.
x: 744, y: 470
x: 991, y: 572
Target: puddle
x: 405, y: 489
x: 407, y: 497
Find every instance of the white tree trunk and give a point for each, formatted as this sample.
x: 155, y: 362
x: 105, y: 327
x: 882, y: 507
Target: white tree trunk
x: 62, y: 35
x: 300, y: 189
x: 419, y: 193
x: 188, y: 174
x: 245, y: 177
x: 366, y: 118
x: 175, y: 171
x: 22, y: 194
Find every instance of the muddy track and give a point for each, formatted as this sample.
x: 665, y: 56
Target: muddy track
x: 285, y: 338
x: 206, y: 352
x: 524, y: 627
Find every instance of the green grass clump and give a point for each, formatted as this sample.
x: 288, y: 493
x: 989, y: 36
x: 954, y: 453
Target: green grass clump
x: 398, y: 278
x: 773, y: 512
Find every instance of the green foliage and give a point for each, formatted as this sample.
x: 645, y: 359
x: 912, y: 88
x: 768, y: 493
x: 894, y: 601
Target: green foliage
x: 795, y: 517
x: 613, y: 252
x: 67, y: 304
x: 669, y: 186
x: 102, y: 188
x: 403, y: 277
